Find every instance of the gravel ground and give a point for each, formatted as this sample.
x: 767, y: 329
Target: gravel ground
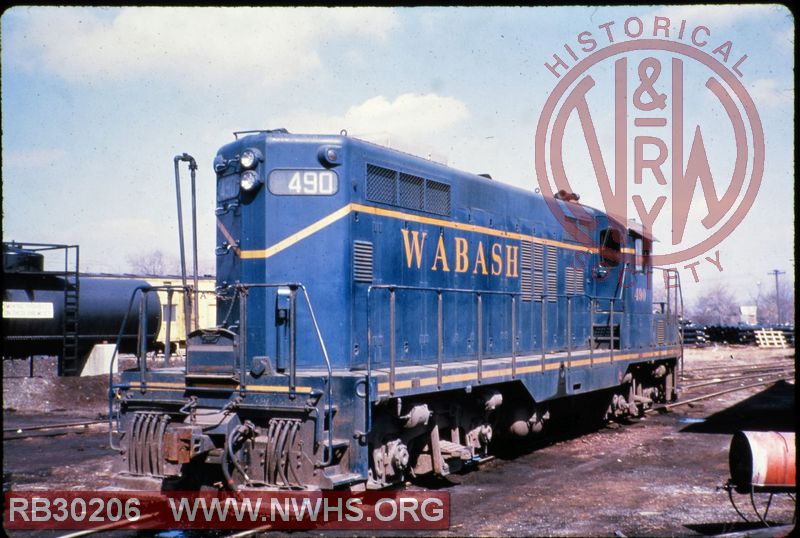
x: 658, y: 476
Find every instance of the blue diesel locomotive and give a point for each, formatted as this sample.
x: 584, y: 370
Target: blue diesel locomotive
x: 382, y: 317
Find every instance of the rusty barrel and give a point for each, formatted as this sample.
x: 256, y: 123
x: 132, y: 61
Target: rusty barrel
x: 764, y: 461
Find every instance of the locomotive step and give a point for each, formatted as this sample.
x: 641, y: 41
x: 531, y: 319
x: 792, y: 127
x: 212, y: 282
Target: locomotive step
x: 454, y: 450
x: 343, y: 479
x: 340, y: 446
x: 337, y: 443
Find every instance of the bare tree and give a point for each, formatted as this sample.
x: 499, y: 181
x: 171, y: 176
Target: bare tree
x: 659, y: 291
x: 152, y: 263
x: 767, y: 306
x: 716, y: 307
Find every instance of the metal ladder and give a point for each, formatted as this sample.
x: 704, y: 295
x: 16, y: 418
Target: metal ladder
x: 672, y: 281
x: 69, y: 365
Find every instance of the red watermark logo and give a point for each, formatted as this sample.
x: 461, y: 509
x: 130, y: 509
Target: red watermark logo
x: 280, y: 510
x: 655, y: 114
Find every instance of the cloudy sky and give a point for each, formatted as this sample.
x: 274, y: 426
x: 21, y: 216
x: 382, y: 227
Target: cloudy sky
x: 95, y: 102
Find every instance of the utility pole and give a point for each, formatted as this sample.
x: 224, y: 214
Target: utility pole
x: 777, y: 294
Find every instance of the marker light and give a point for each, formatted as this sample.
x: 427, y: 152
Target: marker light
x: 329, y: 156
x: 249, y: 180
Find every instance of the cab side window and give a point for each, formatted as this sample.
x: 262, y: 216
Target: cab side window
x: 638, y: 248
x: 610, y: 253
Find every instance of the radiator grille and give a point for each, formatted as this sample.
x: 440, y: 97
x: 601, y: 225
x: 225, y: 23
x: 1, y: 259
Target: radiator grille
x: 406, y: 190
x: 362, y: 261
x: 412, y: 191
x: 437, y: 197
x: 381, y: 185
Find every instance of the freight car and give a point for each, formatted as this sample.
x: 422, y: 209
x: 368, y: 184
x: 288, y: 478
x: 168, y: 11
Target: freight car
x: 61, y: 312
x: 206, y: 310
x: 382, y: 317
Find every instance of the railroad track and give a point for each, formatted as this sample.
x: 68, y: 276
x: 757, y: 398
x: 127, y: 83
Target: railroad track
x: 702, y: 382
x: 773, y: 377
x: 723, y: 372
x: 48, y: 430
x: 117, y: 525
x: 779, y: 377
x: 774, y: 362
x: 250, y: 532
x: 732, y: 369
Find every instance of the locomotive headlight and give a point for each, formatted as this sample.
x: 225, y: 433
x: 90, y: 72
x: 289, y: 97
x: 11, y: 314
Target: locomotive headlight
x: 249, y: 158
x: 249, y: 180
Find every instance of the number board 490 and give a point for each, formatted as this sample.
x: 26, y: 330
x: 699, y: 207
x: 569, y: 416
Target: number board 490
x: 303, y: 182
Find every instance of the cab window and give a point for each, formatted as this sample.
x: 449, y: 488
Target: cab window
x: 638, y: 249
x: 610, y: 253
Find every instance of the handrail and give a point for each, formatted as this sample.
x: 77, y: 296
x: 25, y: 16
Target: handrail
x: 185, y: 157
x: 673, y: 318
x: 591, y: 333
x: 242, y: 341
x: 168, y: 329
x: 141, y: 348
x: 145, y: 289
x: 513, y: 337
x: 678, y: 299
x: 439, y: 338
x: 241, y: 291
x: 293, y: 287
x: 111, y: 385
x: 513, y: 295
x: 440, y: 327
x: 569, y: 329
x: 479, y: 344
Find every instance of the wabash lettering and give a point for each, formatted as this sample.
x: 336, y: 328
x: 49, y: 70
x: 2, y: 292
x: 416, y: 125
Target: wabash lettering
x: 455, y: 255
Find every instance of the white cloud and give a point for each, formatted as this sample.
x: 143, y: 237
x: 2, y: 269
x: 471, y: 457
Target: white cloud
x: 411, y: 122
x: 408, y: 115
x: 769, y: 92
x: 220, y: 44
